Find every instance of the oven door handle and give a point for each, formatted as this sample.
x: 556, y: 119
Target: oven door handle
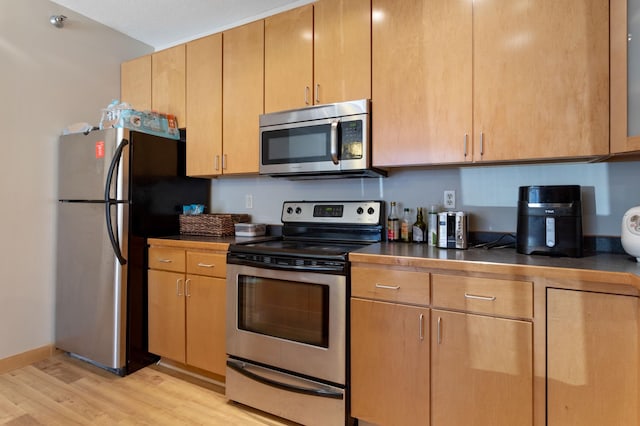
x: 240, y: 367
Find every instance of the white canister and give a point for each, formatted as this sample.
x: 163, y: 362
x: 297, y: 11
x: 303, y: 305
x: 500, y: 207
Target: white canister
x: 630, y: 236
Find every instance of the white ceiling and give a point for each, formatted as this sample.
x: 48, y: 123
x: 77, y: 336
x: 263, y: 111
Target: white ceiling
x: 164, y: 23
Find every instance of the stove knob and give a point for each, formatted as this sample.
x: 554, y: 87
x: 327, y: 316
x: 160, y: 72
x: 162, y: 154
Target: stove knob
x: 289, y: 210
x: 360, y: 210
x: 371, y: 210
x: 298, y: 210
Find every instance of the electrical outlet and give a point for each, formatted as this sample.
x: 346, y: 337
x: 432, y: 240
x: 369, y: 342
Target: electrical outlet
x: 450, y: 199
x: 248, y: 201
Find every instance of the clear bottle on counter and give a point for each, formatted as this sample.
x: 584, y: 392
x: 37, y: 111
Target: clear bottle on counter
x: 393, y: 224
x: 419, y: 228
x: 432, y: 225
x: 405, y: 226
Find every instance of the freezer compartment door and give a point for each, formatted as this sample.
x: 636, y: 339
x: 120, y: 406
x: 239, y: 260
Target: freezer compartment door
x: 83, y: 165
x: 90, y: 311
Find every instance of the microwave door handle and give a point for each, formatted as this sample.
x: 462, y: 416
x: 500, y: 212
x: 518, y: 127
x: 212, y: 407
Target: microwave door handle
x: 334, y: 142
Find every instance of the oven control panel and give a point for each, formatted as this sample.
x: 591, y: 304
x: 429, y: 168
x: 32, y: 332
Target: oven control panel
x: 334, y: 212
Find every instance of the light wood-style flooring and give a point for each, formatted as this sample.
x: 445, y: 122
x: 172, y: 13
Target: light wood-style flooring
x: 65, y: 391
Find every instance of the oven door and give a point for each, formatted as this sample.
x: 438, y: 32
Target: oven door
x: 295, y: 321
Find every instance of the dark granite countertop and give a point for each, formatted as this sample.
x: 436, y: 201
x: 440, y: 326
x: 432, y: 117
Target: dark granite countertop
x: 598, y: 266
x: 204, y: 242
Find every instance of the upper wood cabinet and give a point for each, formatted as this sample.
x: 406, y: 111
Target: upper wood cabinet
x: 156, y: 82
x: 242, y: 96
x: 489, y: 81
x: 422, y: 82
x: 288, y: 66
x: 341, y: 50
x: 541, y: 79
x: 625, y: 83
x: 135, y: 83
x: 168, y: 71
x: 204, y: 106
x: 318, y: 54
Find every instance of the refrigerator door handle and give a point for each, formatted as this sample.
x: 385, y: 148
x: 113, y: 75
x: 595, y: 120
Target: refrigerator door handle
x: 108, y: 201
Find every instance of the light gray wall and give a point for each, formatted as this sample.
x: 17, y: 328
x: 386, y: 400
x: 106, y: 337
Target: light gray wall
x: 49, y: 78
x: 490, y: 194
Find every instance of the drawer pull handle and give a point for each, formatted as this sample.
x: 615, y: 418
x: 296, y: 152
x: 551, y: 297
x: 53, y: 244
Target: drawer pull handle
x: 439, y: 330
x: 206, y: 265
x: 473, y: 296
x: 388, y: 287
x: 165, y: 260
x: 421, y: 319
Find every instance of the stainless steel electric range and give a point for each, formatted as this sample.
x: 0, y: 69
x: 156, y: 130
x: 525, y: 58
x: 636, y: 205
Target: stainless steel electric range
x: 288, y: 311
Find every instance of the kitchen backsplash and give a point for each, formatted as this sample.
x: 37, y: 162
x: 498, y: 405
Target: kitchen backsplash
x: 489, y: 194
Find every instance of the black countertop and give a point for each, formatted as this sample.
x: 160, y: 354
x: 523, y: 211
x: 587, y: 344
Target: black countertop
x: 604, y: 262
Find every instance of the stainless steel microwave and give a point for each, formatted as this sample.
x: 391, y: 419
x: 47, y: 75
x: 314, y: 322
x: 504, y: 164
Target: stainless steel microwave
x: 331, y: 140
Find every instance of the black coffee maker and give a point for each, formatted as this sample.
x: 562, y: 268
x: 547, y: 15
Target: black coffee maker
x: 550, y: 220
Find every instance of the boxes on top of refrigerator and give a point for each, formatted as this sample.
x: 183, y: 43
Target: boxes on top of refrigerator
x: 149, y: 122
x: 122, y: 115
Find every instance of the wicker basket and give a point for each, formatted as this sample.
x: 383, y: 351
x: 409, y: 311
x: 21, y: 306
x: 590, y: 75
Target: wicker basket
x: 215, y: 225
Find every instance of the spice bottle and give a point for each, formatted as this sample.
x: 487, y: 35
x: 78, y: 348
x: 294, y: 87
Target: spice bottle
x: 405, y: 226
x: 393, y: 224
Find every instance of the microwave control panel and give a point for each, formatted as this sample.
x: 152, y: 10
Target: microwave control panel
x: 351, y: 138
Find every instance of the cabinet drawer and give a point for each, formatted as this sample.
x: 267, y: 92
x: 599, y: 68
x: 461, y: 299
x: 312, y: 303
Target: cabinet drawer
x: 167, y: 259
x: 483, y: 295
x: 209, y: 264
x: 390, y: 285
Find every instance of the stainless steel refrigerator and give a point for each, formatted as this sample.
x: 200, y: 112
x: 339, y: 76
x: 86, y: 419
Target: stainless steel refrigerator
x: 116, y: 188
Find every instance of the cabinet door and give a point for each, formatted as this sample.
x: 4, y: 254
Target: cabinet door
x: 541, y: 79
x: 135, y: 82
x: 389, y: 363
x: 168, y: 82
x: 242, y: 96
x: 341, y: 50
x: 288, y: 59
x: 421, y: 81
x: 481, y: 369
x: 204, y: 106
x: 206, y: 323
x: 625, y: 69
x: 592, y: 359
x: 166, y: 314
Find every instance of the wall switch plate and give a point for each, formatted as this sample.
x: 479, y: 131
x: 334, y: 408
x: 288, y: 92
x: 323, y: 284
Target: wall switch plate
x: 450, y: 199
x: 248, y: 201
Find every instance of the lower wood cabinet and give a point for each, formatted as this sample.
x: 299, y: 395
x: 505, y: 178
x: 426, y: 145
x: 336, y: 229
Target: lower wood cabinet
x: 543, y: 346
x: 205, y: 326
x: 481, y: 370
x: 389, y: 363
x: 167, y: 314
x: 592, y: 358
x: 187, y: 307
